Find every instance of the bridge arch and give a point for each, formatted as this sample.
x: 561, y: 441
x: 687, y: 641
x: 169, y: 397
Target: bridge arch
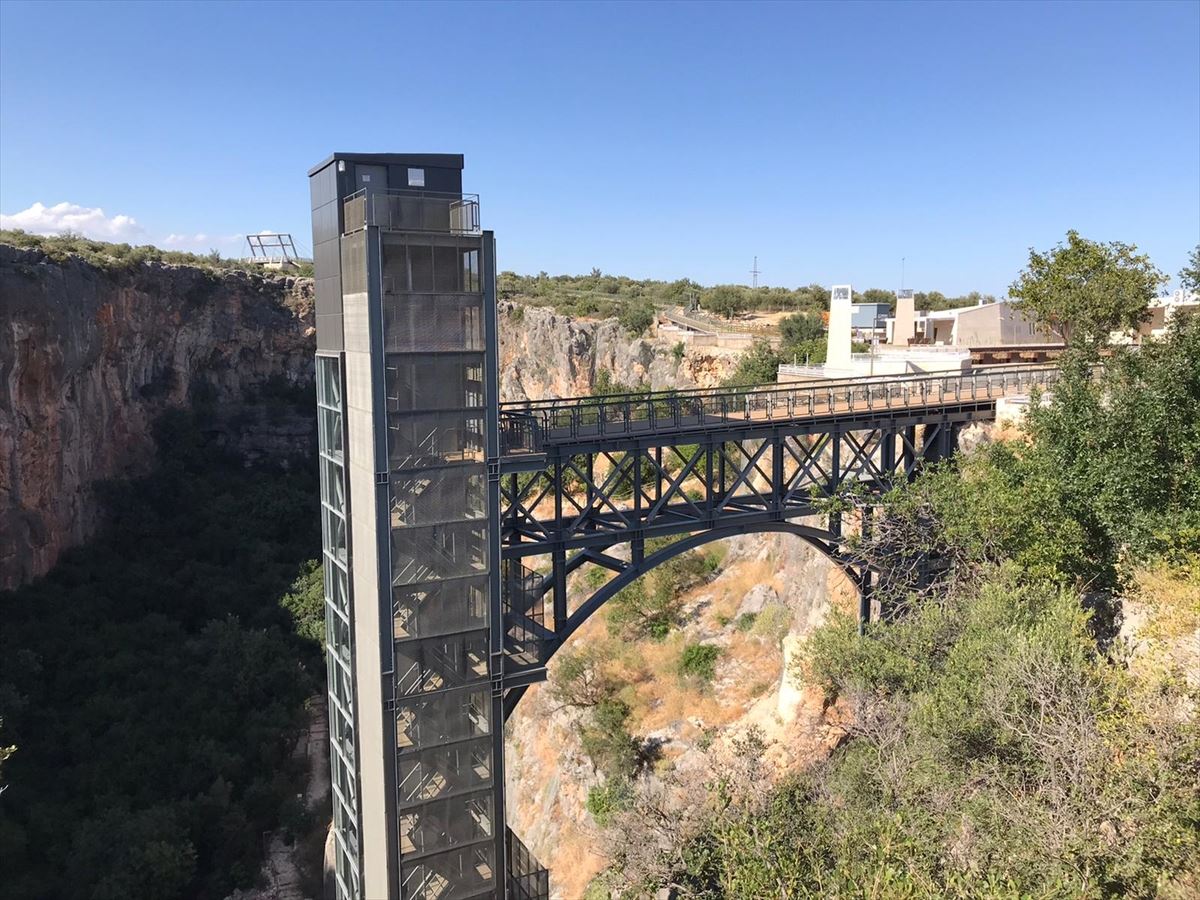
x: 825, y: 542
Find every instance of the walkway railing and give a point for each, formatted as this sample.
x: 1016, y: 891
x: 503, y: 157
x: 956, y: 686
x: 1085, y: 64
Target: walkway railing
x: 528, y: 426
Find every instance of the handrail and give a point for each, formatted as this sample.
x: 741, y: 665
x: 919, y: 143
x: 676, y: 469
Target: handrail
x: 527, y: 423
x: 770, y: 387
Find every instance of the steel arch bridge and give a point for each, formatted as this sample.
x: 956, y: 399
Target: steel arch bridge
x: 583, y: 476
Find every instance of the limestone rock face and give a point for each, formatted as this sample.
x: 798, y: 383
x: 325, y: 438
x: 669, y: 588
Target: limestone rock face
x: 89, y: 358
x: 544, y: 354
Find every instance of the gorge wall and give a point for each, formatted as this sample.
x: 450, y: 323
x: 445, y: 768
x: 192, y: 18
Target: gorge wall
x: 90, y: 357
x: 546, y: 354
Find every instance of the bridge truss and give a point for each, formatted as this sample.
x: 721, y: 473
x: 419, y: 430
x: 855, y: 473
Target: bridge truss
x: 580, y: 478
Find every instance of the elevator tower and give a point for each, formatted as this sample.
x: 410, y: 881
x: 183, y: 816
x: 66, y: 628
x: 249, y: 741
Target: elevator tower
x: 407, y: 407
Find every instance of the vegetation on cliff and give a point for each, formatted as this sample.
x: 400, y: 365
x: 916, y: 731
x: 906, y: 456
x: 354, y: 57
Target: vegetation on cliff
x: 599, y: 294
x: 110, y: 257
x: 155, y: 681
x: 1003, y: 738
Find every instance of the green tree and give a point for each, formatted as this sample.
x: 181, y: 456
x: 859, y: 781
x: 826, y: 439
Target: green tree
x: 758, y: 365
x: 800, y: 328
x: 725, y: 300
x: 1083, y: 290
x: 636, y: 317
x: 1189, y: 276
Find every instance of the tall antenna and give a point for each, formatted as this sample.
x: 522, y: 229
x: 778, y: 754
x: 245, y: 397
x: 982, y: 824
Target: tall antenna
x: 902, y: 273
x: 754, y: 273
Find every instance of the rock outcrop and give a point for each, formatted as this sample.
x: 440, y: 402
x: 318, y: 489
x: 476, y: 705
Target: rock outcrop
x: 545, y: 354
x: 790, y: 588
x: 89, y: 358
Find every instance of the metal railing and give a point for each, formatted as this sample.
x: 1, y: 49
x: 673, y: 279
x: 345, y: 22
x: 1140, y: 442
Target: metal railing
x: 529, y: 425
x: 412, y: 211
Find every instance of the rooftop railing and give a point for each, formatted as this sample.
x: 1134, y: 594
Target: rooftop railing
x: 529, y: 426
x: 412, y: 211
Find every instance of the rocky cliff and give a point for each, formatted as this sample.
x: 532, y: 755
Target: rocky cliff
x: 788, y: 588
x: 545, y: 354
x: 89, y: 357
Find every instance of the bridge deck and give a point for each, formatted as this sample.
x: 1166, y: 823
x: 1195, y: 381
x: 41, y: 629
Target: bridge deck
x: 535, y: 426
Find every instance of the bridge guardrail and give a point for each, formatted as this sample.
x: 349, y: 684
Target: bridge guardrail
x: 531, y: 423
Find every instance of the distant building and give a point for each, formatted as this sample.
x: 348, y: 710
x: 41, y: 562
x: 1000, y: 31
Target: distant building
x: 1177, y: 303
x: 998, y: 324
x: 869, y: 320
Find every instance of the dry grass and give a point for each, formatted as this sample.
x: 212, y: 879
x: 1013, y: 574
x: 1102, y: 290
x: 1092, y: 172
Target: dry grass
x: 1172, y: 593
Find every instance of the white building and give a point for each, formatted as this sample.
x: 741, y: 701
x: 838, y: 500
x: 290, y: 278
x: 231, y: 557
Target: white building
x: 986, y: 325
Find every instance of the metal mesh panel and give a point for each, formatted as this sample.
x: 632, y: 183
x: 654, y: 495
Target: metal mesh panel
x: 429, y: 496
x: 430, y: 322
x: 439, y: 607
x: 450, y: 381
x: 447, y: 823
x: 433, y: 664
x: 429, y: 774
x: 354, y: 263
x: 423, y: 721
x: 438, y: 551
x: 454, y: 875
x: 419, y: 440
x: 524, y: 615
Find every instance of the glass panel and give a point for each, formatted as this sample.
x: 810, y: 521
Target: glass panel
x: 329, y: 386
x: 330, y: 423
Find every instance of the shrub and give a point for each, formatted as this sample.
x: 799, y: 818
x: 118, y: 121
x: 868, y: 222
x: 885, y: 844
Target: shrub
x: 699, y: 662
x: 607, y: 742
x: 606, y: 800
x: 745, y: 621
x: 636, y: 318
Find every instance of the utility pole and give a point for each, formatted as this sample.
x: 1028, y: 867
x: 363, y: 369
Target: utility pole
x: 754, y: 273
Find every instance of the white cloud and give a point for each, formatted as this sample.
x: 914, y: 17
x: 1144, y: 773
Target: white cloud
x: 89, y: 221
x: 201, y: 242
x: 92, y: 222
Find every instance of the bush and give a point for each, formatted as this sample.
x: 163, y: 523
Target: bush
x: 636, y: 318
x: 607, y: 742
x: 606, y: 800
x: 745, y: 621
x: 758, y: 365
x: 725, y: 300
x: 699, y: 662
x: 677, y: 352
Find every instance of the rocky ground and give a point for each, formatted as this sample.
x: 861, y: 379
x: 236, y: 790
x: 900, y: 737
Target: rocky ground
x: 790, y: 588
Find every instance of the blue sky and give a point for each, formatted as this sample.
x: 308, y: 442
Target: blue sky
x: 656, y: 140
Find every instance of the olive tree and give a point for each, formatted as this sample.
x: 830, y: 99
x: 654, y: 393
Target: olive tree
x: 1083, y: 290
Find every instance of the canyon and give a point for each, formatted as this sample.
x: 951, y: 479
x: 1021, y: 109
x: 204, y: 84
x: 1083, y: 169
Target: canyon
x: 90, y: 357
